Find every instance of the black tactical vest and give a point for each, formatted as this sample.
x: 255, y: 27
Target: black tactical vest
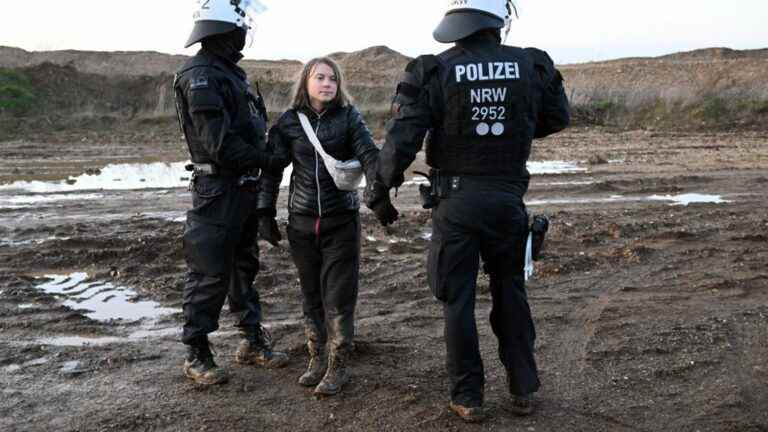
x: 207, y: 83
x: 488, y: 111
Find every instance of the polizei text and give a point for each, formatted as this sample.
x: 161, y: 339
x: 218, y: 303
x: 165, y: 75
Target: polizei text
x: 491, y: 71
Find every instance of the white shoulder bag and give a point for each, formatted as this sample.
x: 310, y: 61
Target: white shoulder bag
x: 346, y: 174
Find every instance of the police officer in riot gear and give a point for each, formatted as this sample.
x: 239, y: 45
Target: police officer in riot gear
x: 224, y: 123
x: 481, y: 104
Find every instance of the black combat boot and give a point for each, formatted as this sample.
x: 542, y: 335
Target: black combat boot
x: 520, y: 405
x: 256, y: 349
x: 200, y: 366
x: 335, y: 377
x: 316, y: 367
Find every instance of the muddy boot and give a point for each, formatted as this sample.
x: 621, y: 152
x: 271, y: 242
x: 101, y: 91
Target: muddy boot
x: 200, y: 367
x: 520, y: 405
x: 335, y: 377
x: 473, y: 414
x: 316, y: 367
x: 256, y: 349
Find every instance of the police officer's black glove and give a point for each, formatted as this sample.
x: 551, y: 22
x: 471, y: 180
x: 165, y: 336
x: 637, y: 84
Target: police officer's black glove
x: 376, y: 197
x: 269, y: 231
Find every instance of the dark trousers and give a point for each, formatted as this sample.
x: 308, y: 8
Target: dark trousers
x: 482, y: 220
x: 327, y: 256
x: 222, y: 256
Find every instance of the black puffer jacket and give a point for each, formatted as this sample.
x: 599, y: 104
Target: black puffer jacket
x: 344, y: 135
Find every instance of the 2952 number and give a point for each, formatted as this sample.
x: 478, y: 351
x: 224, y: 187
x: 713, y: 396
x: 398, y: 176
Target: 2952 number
x: 489, y: 113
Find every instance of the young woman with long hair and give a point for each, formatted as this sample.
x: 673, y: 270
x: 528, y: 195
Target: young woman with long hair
x: 324, y: 222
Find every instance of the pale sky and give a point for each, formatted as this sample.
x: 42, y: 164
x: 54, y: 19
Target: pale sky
x: 571, y: 30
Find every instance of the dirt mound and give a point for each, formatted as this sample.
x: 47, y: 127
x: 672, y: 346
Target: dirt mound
x: 135, y: 63
x: 95, y: 62
x: 373, y: 66
x: 634, y: 83
x: 709, y: 54
x: 56, y: 92
x: 716, y: 88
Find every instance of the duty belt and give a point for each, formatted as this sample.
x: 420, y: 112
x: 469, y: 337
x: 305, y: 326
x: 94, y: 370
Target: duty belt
x: 442, y: 184
x: 204, y: 169
x: 249, y: 178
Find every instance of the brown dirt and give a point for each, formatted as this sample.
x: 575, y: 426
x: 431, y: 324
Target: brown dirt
x: 649, y: 316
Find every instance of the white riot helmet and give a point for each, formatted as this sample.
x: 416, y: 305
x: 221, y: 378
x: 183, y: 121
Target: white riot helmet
x: 214, y: 17
x: 465, y: 17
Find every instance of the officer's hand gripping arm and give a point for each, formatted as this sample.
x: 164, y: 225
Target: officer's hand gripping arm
x: 269, y: 231
x: 376, y: 197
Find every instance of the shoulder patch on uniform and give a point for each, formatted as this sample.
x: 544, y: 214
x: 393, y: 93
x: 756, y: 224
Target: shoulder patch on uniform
x: 200, y: 82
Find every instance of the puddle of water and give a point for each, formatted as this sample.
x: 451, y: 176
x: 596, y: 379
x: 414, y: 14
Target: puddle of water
x: 70, y: 367
x: 416, y: 181
x: 78, y: 341
x: 27, y: 306
x: 30, y: 201
x: 535, y: 168
x: 4, y: 242
x: 683, y: 199
x: 567, y: 183
x: 148, y: 331
x: 691, y: 198
x: 113, y: 177
x: 554, y: 167
x: 103, y: 300
x: 12, y: 368
x: 37, y: 362
x: 171, y: 216
x: 275, y: 324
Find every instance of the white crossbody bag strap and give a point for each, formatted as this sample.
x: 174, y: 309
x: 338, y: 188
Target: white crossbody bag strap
x: 313, y: 138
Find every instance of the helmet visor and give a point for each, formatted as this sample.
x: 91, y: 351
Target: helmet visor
x: 248, y: 11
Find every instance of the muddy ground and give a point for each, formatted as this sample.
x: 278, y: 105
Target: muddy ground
x: 650, y: 315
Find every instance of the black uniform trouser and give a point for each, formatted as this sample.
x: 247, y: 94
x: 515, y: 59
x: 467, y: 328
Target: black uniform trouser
x: 328, y: 261
x: 485, y: 220
x: 222, y: 256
